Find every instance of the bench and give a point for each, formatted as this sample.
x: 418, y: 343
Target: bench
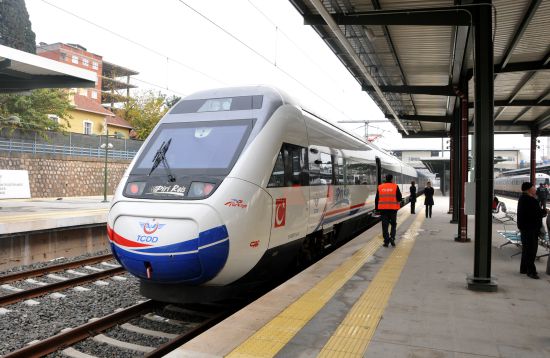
x: 512, y: 238
x: 544, y: 241
x: 502, y: 215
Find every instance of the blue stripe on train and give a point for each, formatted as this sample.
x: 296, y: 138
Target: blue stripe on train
x: 195, y: 267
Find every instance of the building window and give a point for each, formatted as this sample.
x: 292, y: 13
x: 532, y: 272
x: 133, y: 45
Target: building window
x: 54, y: 118
x: 88, y: 127
x: 75, y: 59
x: 63, y: 56
x: 95, y: 65
x: 85, y: 62
x: 94, y: 94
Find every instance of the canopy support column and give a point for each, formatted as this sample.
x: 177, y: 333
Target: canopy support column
x: 481, y: 279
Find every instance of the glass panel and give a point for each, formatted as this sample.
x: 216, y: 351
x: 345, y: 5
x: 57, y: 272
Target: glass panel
x: 278, y: 176
x: 204, y: 145
x: 326, y: 168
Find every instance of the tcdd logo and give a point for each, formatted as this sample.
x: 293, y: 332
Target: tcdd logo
x: 150, y: 228
x: 147, y: 238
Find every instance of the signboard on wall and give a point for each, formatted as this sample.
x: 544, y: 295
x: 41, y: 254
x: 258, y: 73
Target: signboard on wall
x: 14, y: 184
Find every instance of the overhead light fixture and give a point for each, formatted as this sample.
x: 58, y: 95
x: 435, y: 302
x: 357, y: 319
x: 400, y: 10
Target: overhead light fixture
x: 370, y: 34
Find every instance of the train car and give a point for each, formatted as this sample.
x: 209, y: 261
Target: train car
x: 234, y: 185
x: 511, y: 185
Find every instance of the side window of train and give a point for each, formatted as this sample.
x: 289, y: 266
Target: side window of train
x: 290, y: 167
x: 339, y: 170
x: 278, y: 175
x: 296, y: 171
x: 325, y: 169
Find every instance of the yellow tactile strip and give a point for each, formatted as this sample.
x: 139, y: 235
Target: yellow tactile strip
x: 354, y: 334
x: 271, y: 338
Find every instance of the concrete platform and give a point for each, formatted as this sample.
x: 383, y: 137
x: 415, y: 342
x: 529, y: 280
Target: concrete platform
x: 37, y: 230
x: 23, y: 215
x: 365, y: 300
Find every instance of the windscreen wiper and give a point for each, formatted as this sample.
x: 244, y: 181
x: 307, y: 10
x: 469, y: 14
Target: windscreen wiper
x: 160, y: 156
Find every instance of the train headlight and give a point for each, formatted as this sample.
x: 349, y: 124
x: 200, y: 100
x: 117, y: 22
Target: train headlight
x: 200, y: 189
x: 134, y: 188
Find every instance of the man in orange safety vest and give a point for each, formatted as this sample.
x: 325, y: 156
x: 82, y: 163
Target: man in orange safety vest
x: 387, y: 202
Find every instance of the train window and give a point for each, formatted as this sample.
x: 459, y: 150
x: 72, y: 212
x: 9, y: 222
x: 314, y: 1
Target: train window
x: 218, y: 104
x: 205, y: 147
x: 339, y: 171
x: 290, y: 168
x: 325, y: 169
x: 277, y: 178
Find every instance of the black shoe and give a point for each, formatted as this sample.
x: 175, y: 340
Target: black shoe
x: 523, y: 272
x: 385, y: 245
x: 392, y: 242
x: 533, y: 275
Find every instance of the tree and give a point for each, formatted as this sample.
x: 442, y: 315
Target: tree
x: 15, y: 26
x: 34, y: 111
x: 144, y: 111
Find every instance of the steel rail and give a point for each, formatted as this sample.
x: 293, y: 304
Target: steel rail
x: 54, y: 268
x: 38, y: 291
x: 80, y: 333
x: 187, y: 336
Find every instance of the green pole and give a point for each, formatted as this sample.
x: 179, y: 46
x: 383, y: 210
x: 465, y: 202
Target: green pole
x: 105, y: 171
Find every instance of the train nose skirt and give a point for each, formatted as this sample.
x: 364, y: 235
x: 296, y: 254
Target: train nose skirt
x: 193, y: 261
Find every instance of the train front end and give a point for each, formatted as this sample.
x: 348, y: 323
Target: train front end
x: 182, y: 218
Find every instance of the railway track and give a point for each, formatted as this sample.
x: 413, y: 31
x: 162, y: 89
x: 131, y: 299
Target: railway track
x: 98, y: 331
x: 63, y: 282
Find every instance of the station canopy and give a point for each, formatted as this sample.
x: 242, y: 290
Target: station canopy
x: 412, y: 56
x: 22, y: 71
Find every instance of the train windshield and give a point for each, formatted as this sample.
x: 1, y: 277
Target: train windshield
x: 197, y: 147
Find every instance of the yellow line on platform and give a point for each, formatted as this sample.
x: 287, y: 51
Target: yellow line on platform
x: 52, y: 214
x: 272, y: 337
x: 354, y: 334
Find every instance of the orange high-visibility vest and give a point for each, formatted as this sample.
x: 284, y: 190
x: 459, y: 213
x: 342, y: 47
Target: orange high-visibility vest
x: 387, y: 197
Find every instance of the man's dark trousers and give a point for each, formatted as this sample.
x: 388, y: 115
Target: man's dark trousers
x: 529, y: 246
x: 389, y: 217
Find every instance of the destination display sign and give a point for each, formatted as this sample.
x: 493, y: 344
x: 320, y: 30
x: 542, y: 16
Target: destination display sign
x: 14, y: 184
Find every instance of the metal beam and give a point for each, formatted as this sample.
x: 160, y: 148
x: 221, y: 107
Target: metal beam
x: 519, y: 31
x: 438, y: 119
x: 516, y: 91
x: 538, y: 100
x: 429, y: 90
x: 46, y: 81
x: 335, y: 29
x: 376, y: 5
x: 520, y: 102
x: 519, y: 67
x: 543, y: 120
x: 445, y: 16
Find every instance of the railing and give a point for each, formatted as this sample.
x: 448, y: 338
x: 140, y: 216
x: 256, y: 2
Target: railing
x: 36, y: 148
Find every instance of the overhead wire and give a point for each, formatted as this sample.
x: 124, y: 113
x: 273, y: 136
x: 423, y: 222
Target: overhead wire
x: 262, y: 56
x: 160, y: 54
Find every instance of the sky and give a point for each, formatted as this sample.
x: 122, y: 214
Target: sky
x: 183, y: 46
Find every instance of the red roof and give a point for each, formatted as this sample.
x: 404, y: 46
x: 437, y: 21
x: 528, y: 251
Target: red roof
x: 118, y: 122
x: 84, y: 103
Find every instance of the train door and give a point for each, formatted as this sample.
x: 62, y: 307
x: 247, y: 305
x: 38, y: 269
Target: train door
x: 289, y: 188
x: 320, y: 181
x: 378, y: 172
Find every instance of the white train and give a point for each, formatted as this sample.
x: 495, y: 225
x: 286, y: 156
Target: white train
x: 511, y: 185
x: 233, y: 185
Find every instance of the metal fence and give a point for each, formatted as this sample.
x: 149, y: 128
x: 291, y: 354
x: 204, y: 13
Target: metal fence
x: 66, y: 144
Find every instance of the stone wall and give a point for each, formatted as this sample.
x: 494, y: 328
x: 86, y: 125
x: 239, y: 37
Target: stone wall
x: 63, y: 176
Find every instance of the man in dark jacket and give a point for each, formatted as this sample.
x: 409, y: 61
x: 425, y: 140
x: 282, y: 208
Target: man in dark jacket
x: 542, y: 195
x: 529, y: 218
x: 412, y: 197
x: 387, y: 202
